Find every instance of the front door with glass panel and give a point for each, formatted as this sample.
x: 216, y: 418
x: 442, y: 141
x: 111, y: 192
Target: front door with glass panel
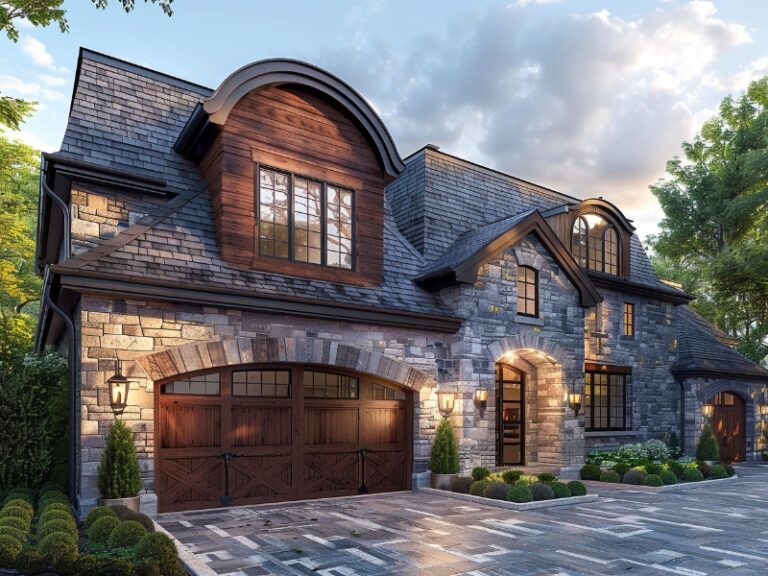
x: 510, y: 386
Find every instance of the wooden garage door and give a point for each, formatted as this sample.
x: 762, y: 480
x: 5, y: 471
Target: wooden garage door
x: 729, y: 422
x: 251, y: 435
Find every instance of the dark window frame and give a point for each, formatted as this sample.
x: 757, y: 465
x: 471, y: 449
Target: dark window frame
x: 291, y: 218
x: 582, y: 252
x: 524, y: 297
x: 628, y: 322
x: 589, y: 384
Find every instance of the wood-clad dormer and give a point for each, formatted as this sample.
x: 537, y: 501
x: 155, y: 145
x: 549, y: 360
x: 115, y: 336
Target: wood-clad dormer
x: 296, y: 163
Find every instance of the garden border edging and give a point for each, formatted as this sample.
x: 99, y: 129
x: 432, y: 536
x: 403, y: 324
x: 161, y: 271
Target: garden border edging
x: 191, y: 563
x: 519, y: 507
x: 679, y: 487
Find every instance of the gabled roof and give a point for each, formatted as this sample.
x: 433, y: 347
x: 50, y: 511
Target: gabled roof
x: 702, y: 352
x: 460, y: 263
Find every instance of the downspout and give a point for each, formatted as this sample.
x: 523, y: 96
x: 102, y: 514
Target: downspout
x: 72, y: 365
x: 60, y: 203
x: 682, y: 412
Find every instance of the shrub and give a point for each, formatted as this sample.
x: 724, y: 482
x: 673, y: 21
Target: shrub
x: 692, y: 474
x: 730, y: 470
x: 444, y: 458
x: 511, y: 476
x: 30, y: 561
x: 609, y: 476
x: 21, y: 535
x: 541, y: 491
x: 705, y: 468
x: 34, y: 416
x: 480, y: 473
x: 668, y: 477
x: 621, y: 468
x: 100, y: 530
x: 54, y: 526
x: 98, y: 512
x: 655, y: 450
x: 653, y: 480
x: 9, y: 549
x: 103, y: 566
x: 591, y: 472
x: 560, y: 489
x: 21, y: 504
x: 673, y: 445
x: 478, y: 488
x: 706, y: 448
x: 151, y: 546
x: 168, y: 565
x: 677, y: 468
x: 16, y: 512
x: 496, y: 490
x: 49, y: 515
x: 577, y: 488
x: 461, y: 484
x: 13, y: 522
x: 546, y: 477
x: 634, y: 476
x: 143, y: 519
x: 519, y: 493
x: 119, y: 475
x: 127, y: 534
x: 653, y: 468
x: 60, y: 550
x: 717, y: 471
x: 19, y: 494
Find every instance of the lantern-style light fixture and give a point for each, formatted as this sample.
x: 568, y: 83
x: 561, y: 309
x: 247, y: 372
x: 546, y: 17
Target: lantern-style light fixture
x: 118, y: 390
x: 764, y: 409
x: 574, y: 402
x: 481, y: 399
x: 707, y: 410
x: 445, y: 402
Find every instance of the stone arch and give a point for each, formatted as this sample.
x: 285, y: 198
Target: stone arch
x: 539, y: 349
x: 235, y: 351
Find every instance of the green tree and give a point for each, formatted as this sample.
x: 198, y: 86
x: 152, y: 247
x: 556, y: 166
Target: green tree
x: 119, y: 475
x: 444, y: 458
x: 43, y: 13
x: 714, y: 237
x: 18, y: 220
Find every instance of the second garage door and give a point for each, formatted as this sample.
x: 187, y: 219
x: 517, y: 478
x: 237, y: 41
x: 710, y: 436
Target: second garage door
x: 261, y: 434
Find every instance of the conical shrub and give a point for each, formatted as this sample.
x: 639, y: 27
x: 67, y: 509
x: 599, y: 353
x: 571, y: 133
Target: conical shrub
x: 707, y: 448
x: 444, y: 458
x: 119, y: 473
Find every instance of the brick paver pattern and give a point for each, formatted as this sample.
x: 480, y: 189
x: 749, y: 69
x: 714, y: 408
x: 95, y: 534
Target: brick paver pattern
x: 721, y: 529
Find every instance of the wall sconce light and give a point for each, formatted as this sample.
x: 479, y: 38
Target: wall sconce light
x: 574, y: 402
x: 763, y: 409
x: 707, y: 410
x: 118, y: 390
x: 445, y: 402
x: 481, y: 399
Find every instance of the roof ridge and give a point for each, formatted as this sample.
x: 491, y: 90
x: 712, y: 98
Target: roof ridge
x: 140, y: 227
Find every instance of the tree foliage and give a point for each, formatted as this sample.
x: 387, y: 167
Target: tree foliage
x: 444, y: 458
x: 119, y: 474
x: 18, y: 281
x: 714, y: 237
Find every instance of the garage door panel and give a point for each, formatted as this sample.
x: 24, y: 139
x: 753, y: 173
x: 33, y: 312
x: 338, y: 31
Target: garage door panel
x: 331, y: 425
x: 261, y: 426
x: 267, y: 478
x: 386, y: 470
x: 190, y: 426
x: 331, y: 474
x: 188, y: 483
x: 384, y: 425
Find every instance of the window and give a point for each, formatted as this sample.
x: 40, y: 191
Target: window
x: 527, y: 291
x: 382, y: 392
x: 304, y: 220
x: 325, y: 385
x: 262, y: 383
x: 606, y: 400
x: 204, y: 385
x: 595, y: 244
x: 629, y: 319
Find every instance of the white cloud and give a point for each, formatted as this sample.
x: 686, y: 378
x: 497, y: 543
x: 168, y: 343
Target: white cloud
x: 38, y: 53
x: 18, y: 88
x: 590, y: 104
x: 52, y: 80
x: 757, y: 69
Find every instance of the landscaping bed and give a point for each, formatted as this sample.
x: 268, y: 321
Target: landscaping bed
x: 514, y: 490
x: 653, y: 465
x: 46, y: 539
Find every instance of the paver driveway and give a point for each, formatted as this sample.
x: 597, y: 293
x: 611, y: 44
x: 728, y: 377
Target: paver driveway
x: 718, y: 530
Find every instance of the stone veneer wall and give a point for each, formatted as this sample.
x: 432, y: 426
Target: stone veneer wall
x: 121, y: 329
x: 655, y: 395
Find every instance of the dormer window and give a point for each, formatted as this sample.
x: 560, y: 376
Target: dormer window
x: 304, y: 220
x: 595, y: 244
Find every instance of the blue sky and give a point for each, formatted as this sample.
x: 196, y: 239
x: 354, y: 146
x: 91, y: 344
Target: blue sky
x: 588, y: 97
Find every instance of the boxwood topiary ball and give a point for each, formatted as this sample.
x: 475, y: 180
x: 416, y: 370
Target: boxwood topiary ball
x: 717, y: 471
x: 127, y: 534
x: 49, y: 515
x: 142, y: 519
x: 60, y: 550
x: 21, y: 504
x: 478, y: 488
x: 53, y: 526
x: 16, y: 512
x: 18, y: 494
x: 653, y: 480
x: 30, y: 561
x: 560, y: 489
x: 100, y: 530
x: 496, y: 490
x: 610, y: 476
x: 621, y: 468
x: 634, y: 476
x: 511, y: 476
x: 98, y: 512
x: 480, y: 473
x: 577, y: 488
x: 13, y: 522
x: 56, y: 506
x: 21, y: 535
x: 541, y: 491
x: 668, y: 477
x: 692, y: 475
x: 101, y: 566
x: 151, y: 546
x: 519, y: 493
x: 546, y: 477
x: 9, y: 549
x: 591, y: 472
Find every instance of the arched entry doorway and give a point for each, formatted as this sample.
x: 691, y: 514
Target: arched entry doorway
x: 510, y: 387
x: 253, y: 434
x: 730, y: 421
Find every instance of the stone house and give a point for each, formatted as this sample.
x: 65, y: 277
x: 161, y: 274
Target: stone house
x: 289, y: 298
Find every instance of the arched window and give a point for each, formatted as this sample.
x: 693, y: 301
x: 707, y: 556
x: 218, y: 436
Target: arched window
x: 595, y: 244
x: 579, y: 241
x: 611, y: 251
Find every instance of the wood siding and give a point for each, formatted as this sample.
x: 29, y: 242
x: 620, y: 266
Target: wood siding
x: 292, y: 129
